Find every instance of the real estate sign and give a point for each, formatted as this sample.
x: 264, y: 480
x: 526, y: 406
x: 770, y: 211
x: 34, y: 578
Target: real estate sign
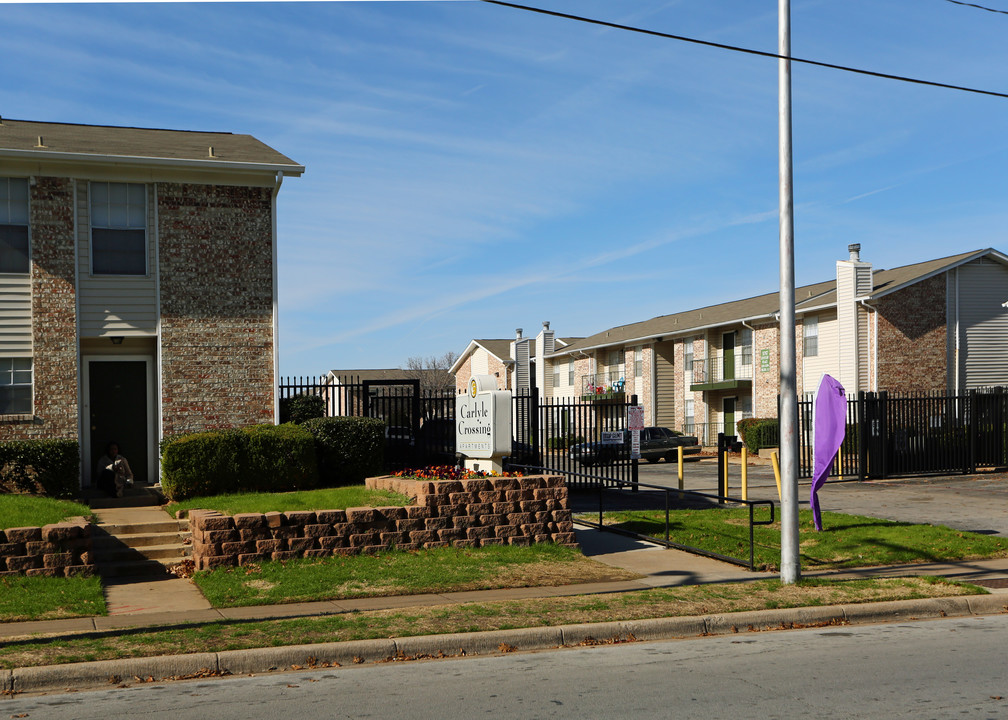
x: 483, y: 419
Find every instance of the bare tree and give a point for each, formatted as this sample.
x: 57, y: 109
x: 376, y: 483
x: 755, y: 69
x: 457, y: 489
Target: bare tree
x: 432, y: 372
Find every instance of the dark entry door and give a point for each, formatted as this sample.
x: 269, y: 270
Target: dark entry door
x: 728, y: 353
x: 118, y: 396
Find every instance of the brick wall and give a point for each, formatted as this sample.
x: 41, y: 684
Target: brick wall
x: 57, y: 550
x: 54, y: 315
x: 465, y: 513
x: 766, y: 384
x: 911, y: 338
x: 216, y: 261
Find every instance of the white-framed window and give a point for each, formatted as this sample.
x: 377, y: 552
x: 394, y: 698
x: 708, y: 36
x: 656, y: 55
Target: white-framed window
x: 556, y: 373
x: 810, y: 346
x: 638, y: 362
x: 15, y: 386
x: 689, y: 419
x: 688, y: 359
x: 118, y: 228
x: 570, y: 372
x: 745, y: 346
x: 743, y: 408
x: 14, y: 242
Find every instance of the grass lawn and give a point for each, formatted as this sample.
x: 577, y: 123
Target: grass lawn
x: 325, y: 499
x: 846, y: 541
x: 42, y: 598
x: 399, y: 572
x: 34, y: 511
x: 661, y: 602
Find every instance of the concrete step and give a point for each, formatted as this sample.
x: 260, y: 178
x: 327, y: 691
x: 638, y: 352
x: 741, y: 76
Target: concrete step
x: 146, y: 528
x: 135, y: 568
x: 113, y: 552
x: 136, y: 540
x: 136, y: 496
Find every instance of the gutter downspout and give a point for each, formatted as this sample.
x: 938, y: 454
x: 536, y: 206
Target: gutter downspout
x: 276, y: 303
x: 874, y: 310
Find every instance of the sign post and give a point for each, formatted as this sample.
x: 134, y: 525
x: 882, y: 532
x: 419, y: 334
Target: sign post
x: 635, y: 423
x: 483, y: 424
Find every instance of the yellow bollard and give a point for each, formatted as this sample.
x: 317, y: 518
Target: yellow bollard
x: 680, y: 472
x: 776, y: 472
x: 745, y: 473
x: 726, y: 474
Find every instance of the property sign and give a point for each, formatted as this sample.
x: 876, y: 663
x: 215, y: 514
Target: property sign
x: 483, y: 419
x: 764, y: 360
x: 635, y: 417
x: 612, y: 437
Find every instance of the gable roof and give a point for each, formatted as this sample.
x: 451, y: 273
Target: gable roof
x: 500, y: 349
x: 807, y: 298
x: 355, y: 376
x: 19, y: 139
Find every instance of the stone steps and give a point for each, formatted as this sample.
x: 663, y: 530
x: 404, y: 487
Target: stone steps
x: 140, y: 549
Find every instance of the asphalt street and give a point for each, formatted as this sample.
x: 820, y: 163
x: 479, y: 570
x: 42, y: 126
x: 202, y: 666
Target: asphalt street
x: 949, y: 668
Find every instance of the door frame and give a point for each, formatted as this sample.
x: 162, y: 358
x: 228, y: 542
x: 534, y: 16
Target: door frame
x: 87, y: 462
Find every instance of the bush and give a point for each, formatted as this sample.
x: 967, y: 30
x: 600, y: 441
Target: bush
x: 348, y: 449
x: 262, y: 458
x: 280, y: 458
x: 40, y: 467
x: 301, y: 408
x: 564, y: 442
x: 758, y: 433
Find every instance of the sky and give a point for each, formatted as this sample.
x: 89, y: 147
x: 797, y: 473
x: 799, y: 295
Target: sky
x: 472, y: 169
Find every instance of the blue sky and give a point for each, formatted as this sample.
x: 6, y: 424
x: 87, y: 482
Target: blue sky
x: 472, y: 168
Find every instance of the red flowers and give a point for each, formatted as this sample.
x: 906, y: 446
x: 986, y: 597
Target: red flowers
x: 450, y: 472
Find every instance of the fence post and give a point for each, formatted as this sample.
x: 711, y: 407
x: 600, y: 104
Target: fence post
x: 884, y: 431
x: 721, y: 466
x: 974, y: 429
x: 634, y: 462
x: 862, y: 437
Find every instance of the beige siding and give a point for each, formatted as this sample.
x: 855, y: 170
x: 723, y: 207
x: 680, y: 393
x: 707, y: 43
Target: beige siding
x: 665, y: 376
x: 124, y: 306
x: 983, y: 287
x: 15, y: 316
x: 828, y: 358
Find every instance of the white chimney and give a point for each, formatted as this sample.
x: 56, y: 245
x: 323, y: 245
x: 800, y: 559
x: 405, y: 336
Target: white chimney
x: 854, y: 280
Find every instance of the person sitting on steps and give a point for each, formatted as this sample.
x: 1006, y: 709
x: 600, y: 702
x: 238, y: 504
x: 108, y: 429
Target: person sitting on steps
x: 114, y: 471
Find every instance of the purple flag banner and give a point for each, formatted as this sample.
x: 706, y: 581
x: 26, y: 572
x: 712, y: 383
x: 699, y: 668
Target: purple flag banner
x: 830, y: 413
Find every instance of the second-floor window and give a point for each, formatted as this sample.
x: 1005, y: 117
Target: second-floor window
x: 745, y: 346
x: 14, y: 251
x: 688, y: 358
x: 570, y: 371
x: 118, y: 229
x: 556, y: 374
x: 638, y: 362
x: 810, y: 346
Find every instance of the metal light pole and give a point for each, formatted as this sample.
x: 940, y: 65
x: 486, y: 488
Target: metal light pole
x: 790, y: 562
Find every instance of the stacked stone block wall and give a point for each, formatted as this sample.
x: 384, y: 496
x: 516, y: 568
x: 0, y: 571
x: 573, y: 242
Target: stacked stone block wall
x: 216, y: 265
x: 57, y: 550
x: 447, y: 513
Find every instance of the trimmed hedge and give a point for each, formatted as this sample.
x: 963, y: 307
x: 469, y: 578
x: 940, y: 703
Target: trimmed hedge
x: 564, y: 442
x: 348, y: 449
x: 262, y: 458
x: 758, y: 433
x: 40, y: 467
x: 301, y: 408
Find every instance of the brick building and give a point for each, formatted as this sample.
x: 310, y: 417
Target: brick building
x: 137, y: 284
x: 939, y: 325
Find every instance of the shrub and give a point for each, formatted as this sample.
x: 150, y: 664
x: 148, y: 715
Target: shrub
x: 301, y: 408
x: 208, y: 463
x: 564, y: 442
x: 262, y: 458
x: 348, y: 449
x: 40, y: 467
x: 758, y: 433
x: 280, y: 458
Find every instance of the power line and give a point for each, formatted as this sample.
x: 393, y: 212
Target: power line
x: 978, y: 7
x: 747, y: 51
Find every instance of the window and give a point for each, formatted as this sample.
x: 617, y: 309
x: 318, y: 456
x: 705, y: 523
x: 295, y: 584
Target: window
x: 118, y: 229
x: 638, y: 362
x: 745, y: 346
x: 570, y: 371
x: 810, y: 346
x: 14, y: 225
x: 15, y: 386
x: 689, y: 421
x: 556, y: 373
x: 688, y: 360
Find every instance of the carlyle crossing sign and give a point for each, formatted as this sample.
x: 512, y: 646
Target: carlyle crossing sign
x: 483, y: 420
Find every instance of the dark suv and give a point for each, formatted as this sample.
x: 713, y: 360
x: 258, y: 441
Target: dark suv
x: 656, y: 443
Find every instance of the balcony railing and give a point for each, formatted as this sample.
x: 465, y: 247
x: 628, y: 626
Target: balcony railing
x: 707, y: 371
x: 603, y: 386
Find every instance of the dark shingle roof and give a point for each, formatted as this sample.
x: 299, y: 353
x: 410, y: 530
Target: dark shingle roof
x: 20, y: 138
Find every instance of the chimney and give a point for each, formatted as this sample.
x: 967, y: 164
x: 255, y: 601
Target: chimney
x: 518, y: 333
x: 854, y: 280
x: 855, y: 252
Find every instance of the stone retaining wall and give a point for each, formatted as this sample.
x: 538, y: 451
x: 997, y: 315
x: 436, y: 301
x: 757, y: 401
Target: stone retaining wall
x: 57, y: 550
x: 463, y: 513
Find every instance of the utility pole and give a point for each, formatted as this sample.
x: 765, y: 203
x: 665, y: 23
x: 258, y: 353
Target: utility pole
x: 790, y: 561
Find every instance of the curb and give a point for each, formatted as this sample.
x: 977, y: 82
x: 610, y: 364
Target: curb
x: 130, y: 671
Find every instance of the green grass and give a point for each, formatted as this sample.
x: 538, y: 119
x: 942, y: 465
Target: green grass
x: 42, y: 598
x: 398, y: 572
x: 846, y: 541
x: 325, y: 499
x: 474, y: 617
x: 34, y: 511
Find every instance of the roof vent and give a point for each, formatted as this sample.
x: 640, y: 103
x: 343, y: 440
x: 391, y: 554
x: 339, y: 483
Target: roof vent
x: 39, y: 143
x: 518, y: 333
x: 211, y: 152
x: 855, y: 252
x: 545, y: 324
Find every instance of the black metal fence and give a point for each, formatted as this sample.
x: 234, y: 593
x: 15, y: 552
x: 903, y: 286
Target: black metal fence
x: 915, y: 434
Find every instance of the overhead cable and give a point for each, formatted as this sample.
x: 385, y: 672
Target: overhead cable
x: 748, y: 51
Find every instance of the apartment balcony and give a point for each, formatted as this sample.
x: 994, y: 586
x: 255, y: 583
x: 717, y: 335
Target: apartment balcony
x: 722, y: 373
x: 603, y: 387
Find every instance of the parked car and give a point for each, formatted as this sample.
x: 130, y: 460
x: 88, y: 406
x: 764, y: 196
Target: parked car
x: 656, y: 443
